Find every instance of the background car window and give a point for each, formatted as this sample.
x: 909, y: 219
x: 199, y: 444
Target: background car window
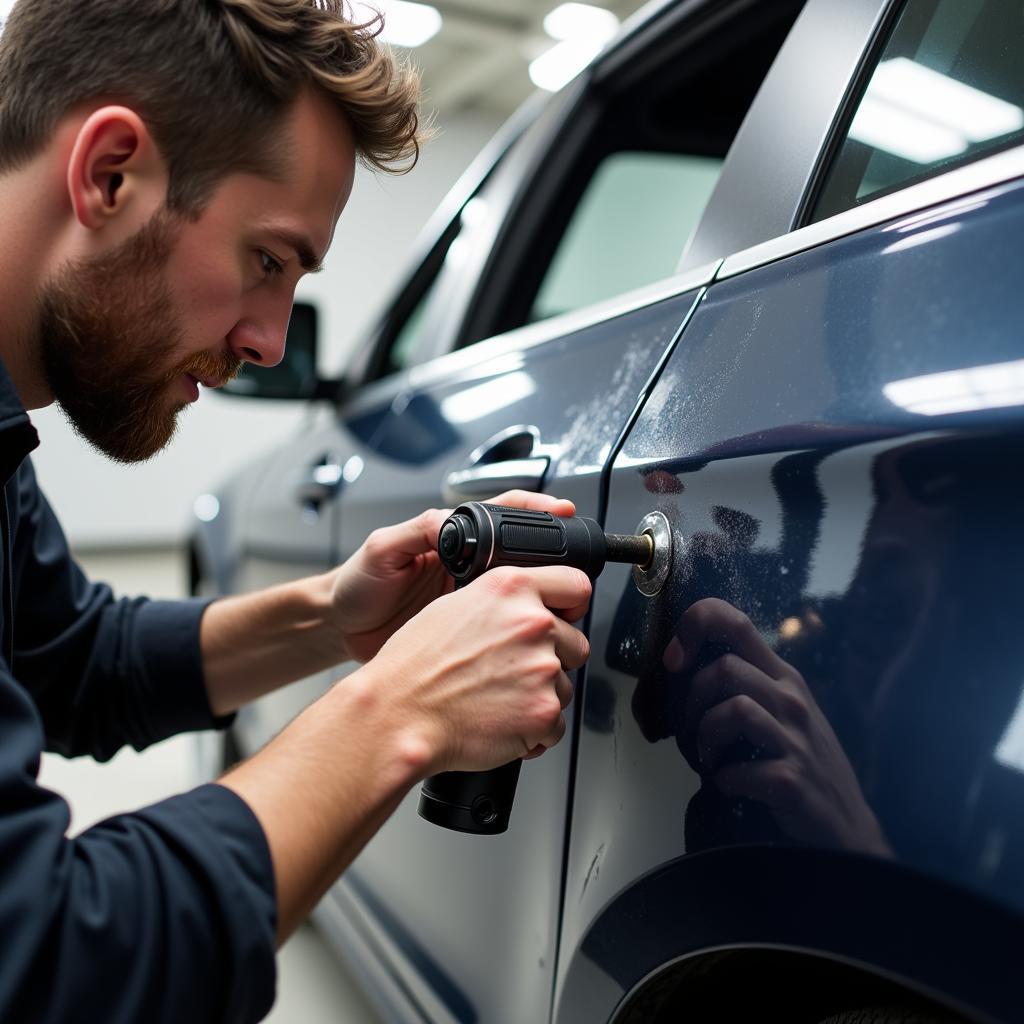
x: 628, y: 228
x: 405, y: 343
x: 947, y: 88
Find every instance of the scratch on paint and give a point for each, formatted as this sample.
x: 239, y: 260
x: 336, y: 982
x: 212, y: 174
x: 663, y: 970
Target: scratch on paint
x: 593, y: 871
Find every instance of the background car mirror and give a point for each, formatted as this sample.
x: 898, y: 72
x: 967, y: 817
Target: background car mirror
x: 295, y: 377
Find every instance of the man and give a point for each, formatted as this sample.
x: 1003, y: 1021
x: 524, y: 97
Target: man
x: 168, y: 171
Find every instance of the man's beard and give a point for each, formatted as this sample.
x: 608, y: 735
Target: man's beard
x: 106, y: 325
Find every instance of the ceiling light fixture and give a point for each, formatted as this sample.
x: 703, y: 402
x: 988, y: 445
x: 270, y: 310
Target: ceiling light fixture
x: 582, y: 31
x: 580, y: 21
x: 406, y: 24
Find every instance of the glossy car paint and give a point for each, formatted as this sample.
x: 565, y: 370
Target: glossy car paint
x: 877, y: 548
x: 874, y: 547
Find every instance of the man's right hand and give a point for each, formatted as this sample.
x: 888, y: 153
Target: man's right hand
x: 476, y: 679
x: 481, y: 674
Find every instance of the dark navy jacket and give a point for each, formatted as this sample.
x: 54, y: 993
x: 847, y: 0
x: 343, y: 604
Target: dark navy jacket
x: 167, y: 914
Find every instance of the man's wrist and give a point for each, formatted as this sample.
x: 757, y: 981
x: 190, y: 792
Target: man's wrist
x: 320, y: 594
x: 409, y: 746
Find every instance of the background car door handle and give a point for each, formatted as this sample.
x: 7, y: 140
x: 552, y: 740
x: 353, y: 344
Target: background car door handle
x: 324, y: 481
x: 493, y: 477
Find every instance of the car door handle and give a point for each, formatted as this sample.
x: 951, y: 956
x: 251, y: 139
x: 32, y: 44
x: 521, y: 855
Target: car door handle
x: 514, y: 459
x: 490, y: 479
x: 322, y: 484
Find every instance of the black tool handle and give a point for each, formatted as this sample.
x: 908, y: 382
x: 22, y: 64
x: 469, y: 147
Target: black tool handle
x: 478, y: 802
x: 475, y: 538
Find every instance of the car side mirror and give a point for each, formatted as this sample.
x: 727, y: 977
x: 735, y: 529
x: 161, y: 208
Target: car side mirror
x: 295, y: 377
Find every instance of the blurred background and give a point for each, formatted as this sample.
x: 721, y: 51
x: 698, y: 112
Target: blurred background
x: 480, y: 59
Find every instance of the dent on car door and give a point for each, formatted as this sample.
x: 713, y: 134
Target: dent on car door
x: 825, y: 699
x: 471, y: 923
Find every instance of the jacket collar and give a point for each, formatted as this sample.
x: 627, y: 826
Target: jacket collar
x: 17, y: 435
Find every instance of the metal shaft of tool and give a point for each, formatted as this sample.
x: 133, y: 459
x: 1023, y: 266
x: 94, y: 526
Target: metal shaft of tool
x: 633, y: 549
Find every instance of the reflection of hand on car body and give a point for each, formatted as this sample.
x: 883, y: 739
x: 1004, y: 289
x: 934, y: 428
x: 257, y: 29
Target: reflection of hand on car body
x: 802, y: 774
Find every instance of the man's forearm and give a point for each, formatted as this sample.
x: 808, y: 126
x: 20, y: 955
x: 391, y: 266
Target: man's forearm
x: 326, y: 784
x: 254, y: 643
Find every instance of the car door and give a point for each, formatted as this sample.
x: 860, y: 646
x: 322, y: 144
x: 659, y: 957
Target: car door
x: 835, y: 443
x: 470, y: 924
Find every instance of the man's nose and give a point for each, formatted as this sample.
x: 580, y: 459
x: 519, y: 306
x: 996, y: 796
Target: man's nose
x: 260, y: 341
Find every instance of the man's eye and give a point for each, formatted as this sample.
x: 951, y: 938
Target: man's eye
x: 271, y: 267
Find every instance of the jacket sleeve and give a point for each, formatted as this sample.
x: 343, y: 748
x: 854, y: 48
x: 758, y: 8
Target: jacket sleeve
x: 165, y: 915
x: 102, y: 672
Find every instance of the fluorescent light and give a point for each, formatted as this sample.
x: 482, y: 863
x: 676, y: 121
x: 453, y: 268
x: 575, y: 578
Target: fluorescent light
x: 406, y: 24
x: 582, y: 31
x: 562, y: 63
x: 925, y: 116
x: 884, y: 126
x: 995, y: 386
x: 975, y: 114
x: 581, y: 21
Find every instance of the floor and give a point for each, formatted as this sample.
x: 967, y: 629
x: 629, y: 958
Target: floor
x: 312, y: 986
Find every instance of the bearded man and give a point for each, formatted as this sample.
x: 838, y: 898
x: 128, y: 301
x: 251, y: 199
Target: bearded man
x: 168, y: 171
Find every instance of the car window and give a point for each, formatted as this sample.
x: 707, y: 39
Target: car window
x: 616, y: 195
x: 947, y: 88
x: 628, y: 228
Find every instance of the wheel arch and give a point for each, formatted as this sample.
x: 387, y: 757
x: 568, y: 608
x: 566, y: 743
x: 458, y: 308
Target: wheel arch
x: 841, y: 915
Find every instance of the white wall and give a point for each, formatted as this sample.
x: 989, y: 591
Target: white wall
x: 102, y: 504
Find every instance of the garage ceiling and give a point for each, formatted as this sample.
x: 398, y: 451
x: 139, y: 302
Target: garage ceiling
x: 480, y: 57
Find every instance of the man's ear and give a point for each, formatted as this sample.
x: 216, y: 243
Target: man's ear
x: 114, y: 170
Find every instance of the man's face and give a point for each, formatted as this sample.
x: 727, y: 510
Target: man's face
x: 127, y: 335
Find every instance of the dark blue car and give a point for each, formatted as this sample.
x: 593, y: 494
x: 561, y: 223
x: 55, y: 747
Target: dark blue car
x: 760, y: 270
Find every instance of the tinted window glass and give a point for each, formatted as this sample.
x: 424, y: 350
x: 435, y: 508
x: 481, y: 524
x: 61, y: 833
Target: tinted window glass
x: 629, y: 228
x: 947, y: 88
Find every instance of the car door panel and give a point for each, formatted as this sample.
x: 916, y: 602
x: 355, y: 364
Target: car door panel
x: 836, y: 442
x: 575, y: 392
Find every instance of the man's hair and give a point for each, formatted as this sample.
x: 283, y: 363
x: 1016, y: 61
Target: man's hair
x: 212, y: 79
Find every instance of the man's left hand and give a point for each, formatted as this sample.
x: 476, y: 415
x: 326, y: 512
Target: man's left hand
x: 397, y: 572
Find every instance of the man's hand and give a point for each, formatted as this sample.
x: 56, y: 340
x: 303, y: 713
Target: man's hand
x: 473, y: 681
x: 480, y: 675
x: 397, y: 573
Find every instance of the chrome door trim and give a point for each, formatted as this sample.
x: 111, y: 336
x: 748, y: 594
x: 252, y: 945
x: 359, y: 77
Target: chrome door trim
x: 963, y: 181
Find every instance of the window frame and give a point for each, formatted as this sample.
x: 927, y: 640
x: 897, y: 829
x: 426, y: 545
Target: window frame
x: 558, y: 155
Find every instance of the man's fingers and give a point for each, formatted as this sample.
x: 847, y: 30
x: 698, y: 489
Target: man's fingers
x: 564, y: 690
x: 571, y: 646
x: 559, y: 587
x: 535, y: 502
x: 554, y: 736
x: 395, y: 546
